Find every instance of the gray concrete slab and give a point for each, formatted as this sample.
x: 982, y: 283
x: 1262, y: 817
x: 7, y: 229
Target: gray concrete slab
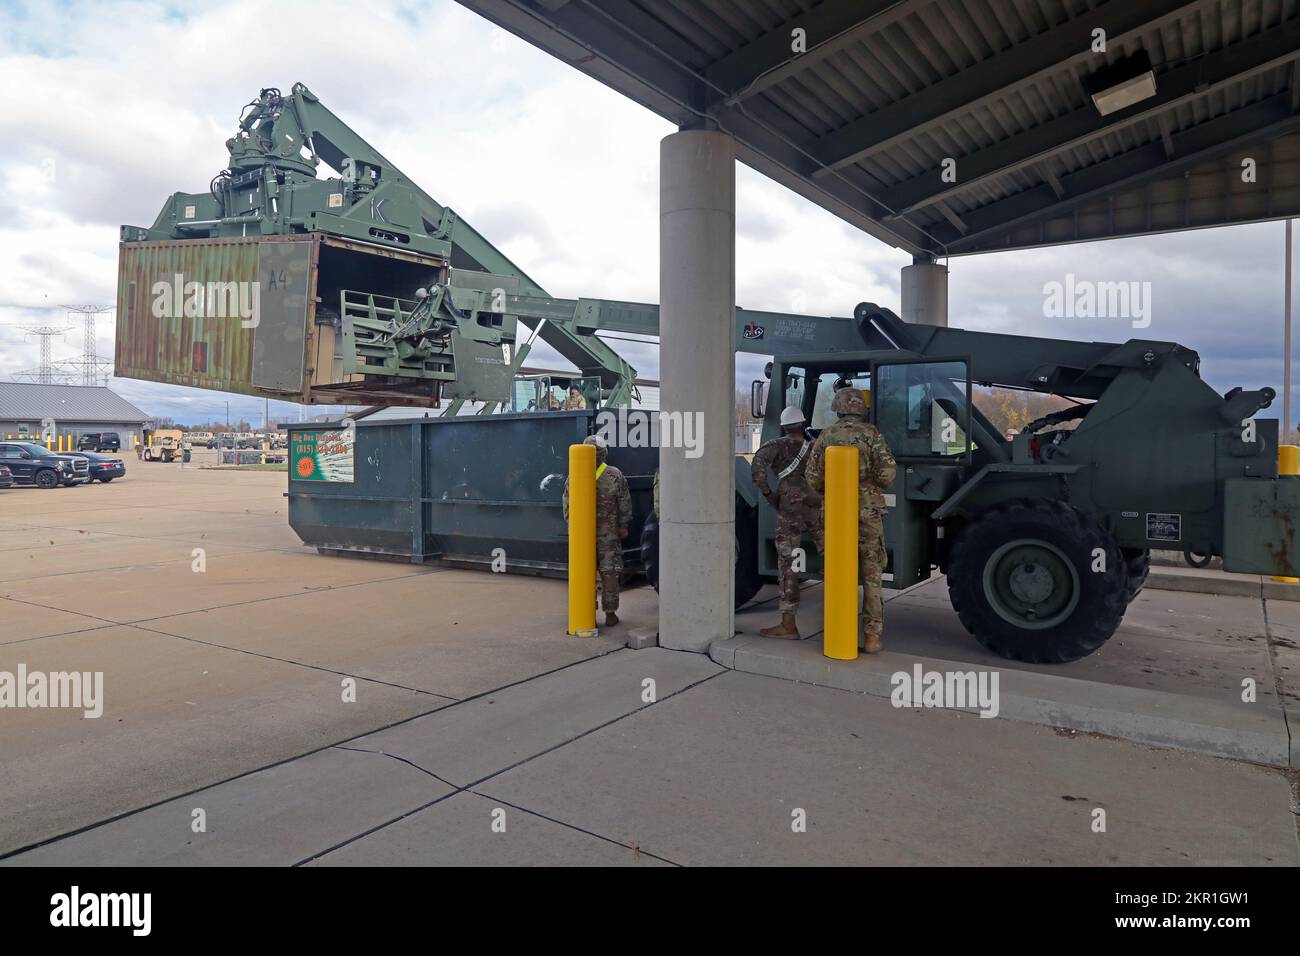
x: 129, y: 595
x: 29, y: 538
x: 274, y: 817
x: 104, y: 553
x: 459, y: 832
x: 1284, y: 646
x: 20, y: 621
x: 1227, y: 728
x: 176, y: 715
x: 714, y: 776
x: 465, y: 743
x: 450, y: 632
x: 1180, y: 643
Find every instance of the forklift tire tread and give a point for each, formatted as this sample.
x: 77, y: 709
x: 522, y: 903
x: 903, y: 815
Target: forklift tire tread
x: 748, y: 581
x: 1139, y: 566
x: 1102, y: 596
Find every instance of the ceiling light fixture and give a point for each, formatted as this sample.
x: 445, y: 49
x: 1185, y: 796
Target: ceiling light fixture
x: 1121, y: 84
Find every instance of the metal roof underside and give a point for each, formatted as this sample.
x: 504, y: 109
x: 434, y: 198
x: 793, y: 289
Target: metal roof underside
x: 24, y: 401
x: 862, y: 121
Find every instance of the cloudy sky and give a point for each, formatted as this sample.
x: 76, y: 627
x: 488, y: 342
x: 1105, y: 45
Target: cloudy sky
x: 106, y: 108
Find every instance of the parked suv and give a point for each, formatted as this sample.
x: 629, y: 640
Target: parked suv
x: 33, y: 464
x: 99, y: 441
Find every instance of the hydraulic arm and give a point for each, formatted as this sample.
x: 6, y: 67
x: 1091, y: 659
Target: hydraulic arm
x: 270, y: 188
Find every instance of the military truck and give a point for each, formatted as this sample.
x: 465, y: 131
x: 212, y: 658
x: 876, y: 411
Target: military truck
x: 163, y: 444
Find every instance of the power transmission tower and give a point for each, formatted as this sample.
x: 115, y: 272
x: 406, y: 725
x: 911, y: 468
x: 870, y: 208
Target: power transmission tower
x: 46, y: 373
x: 91, y: 368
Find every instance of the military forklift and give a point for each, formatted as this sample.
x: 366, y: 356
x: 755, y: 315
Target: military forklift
x: 1045, y: 539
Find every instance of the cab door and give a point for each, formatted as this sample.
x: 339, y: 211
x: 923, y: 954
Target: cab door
x: 921, y: 408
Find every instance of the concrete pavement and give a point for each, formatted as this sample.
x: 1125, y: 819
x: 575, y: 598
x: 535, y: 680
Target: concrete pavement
x: 1201, y: 672
x: 214, y: 673
x: 722, y: 768
x: 480, y: 734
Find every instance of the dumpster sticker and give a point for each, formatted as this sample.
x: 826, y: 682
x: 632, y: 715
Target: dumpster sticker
x: 322, y: 455
x: 1164, y: 527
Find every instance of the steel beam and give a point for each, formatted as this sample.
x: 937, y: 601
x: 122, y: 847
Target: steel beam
x: 1252, y: 125
x: 1050, y: 52
x: 829, y: 27
x: 1201, y: 77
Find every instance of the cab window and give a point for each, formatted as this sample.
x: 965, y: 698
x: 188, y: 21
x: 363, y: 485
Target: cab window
x: 796, y: 379
x: 828, y: 383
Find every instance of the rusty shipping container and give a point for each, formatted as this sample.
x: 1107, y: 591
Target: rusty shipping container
x: 259, y: 315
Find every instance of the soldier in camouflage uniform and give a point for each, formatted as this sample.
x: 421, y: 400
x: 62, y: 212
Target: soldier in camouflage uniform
x: 798, y: 510
x: 576, y: 400
x: 613, y: 513
x: 876, y: 469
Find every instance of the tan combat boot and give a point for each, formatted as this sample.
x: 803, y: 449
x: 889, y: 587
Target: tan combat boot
x: 870, y: 642
x: 786, y: 629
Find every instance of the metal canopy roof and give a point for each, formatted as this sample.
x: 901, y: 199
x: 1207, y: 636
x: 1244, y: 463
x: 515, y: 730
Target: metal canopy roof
x: 862, y: 121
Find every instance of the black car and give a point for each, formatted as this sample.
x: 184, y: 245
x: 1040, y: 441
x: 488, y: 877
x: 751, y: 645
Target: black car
x: 33, y: 464
x: 101, y: 467
x: 99, y: 441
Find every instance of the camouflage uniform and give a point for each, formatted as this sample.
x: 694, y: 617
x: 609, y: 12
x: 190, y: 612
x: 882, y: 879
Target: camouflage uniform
x: 876, y: 470
x: 798, y: 509
x: 574, y: 402
x: 613, y: 513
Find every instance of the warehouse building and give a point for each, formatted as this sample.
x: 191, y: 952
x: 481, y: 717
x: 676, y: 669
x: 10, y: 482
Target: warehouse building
x: 74, y: 410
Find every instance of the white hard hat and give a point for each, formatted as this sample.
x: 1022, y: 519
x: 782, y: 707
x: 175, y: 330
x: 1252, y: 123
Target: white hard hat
x: 791, y: 416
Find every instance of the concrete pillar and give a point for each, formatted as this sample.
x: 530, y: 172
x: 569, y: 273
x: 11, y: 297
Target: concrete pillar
x: 925, y: 293
x: 697, y: 317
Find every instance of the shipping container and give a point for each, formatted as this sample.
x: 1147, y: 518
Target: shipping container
x: 261, y: 315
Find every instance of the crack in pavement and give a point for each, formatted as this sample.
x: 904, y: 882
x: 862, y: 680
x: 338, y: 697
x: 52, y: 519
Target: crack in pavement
x: 69, y: 834
x: 507, y: 769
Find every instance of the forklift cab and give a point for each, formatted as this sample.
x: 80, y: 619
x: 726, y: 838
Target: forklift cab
x: 921, y: 407
x: 547, y: 393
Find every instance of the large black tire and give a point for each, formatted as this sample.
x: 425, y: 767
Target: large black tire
x: 1021, y: 580
x: 650, y: 549
x: 47, y: 479
x: 747, y: 579
x: 1138, y: 563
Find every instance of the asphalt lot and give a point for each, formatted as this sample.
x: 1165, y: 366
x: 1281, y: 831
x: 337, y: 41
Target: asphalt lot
x: 225, y: 691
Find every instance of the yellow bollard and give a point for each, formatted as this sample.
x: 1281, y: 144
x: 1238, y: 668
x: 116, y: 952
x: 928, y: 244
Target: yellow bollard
x: 840, y: 560
x: 582, y: 540
x: 1288, y: 463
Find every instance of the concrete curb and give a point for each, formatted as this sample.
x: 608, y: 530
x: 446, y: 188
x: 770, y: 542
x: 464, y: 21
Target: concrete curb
x: 1257, y: 733
x: 1253, y: 586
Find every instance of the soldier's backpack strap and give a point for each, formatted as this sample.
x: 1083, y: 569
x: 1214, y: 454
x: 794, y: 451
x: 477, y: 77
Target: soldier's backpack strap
x: 790, y: 468
x: 600, y: 471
